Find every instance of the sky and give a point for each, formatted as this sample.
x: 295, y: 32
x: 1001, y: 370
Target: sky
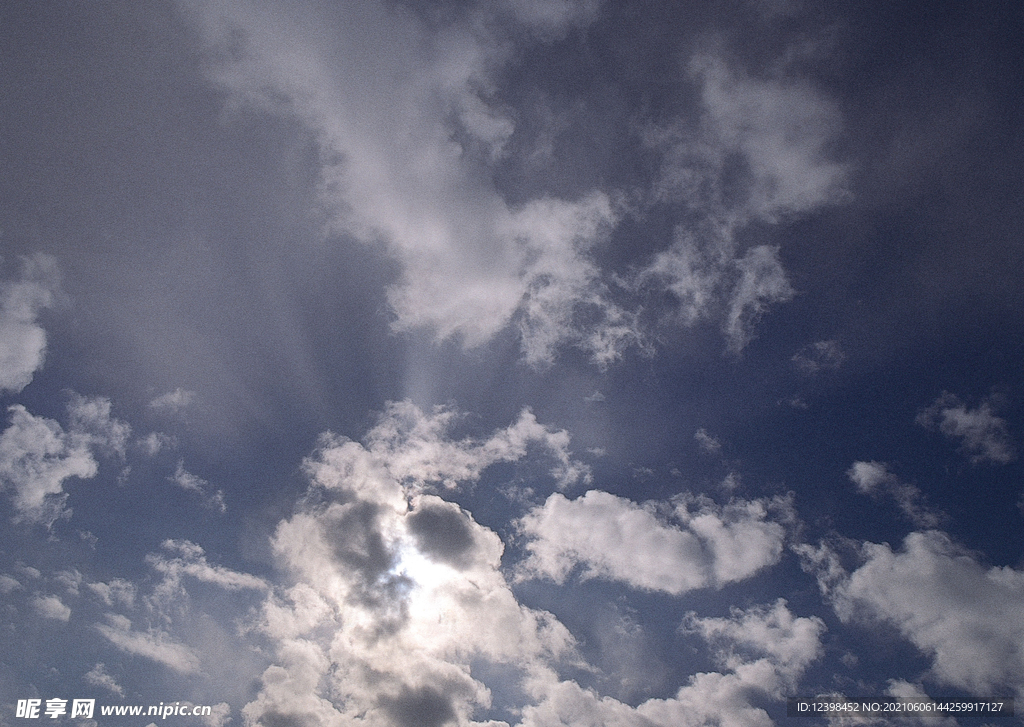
x: 511, y: 362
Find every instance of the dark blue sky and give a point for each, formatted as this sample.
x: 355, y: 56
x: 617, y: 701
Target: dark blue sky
x: 533, y: 362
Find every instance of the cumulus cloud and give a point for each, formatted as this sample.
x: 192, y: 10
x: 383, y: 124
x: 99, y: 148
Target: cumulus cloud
x: 875, y: 479
x: 397, y: 591
x: 698, y: 545
x: 416, y: 448
x: 51, y: 607
x: 763, y: 651
x: 37, y: 455
x: 23, y: 339
x: 966, y: 617
x: 98, y: 677
x: 982, y: 434
x: 407, y: 129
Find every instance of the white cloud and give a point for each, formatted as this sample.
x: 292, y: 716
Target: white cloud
x: 386, y: 97
x: 191, y: 561
x: 709, y: 280
x: 757, y: 154
x: 155, y: 442
x: 193, y: 483
x: 152, y: 644
x: 98, y: 677
x: 416, y: 448
x: 762, y: 282
x: 701, y: 545
x: 982, y: 434
x: 118, y: 591
x: 397, y: 591
x: 875, y: 479
x: 819, y: 356
x: 967, y: 617
x: 791, y: 642
x: 22, y: 339
x: 173, y: 401
x: 90, y: 418
x: 51, y: 607
x: 8, y: 584
x: 706, y: 442
x: 36, y: 457
x: 764, y: 651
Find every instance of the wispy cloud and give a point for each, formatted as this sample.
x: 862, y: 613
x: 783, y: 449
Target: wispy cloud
x: 982, y: 434
x: 212, y: 499
x: 24, y: 340
x: 152, y: 644
x: 875, y: 479
x: 173, y: 401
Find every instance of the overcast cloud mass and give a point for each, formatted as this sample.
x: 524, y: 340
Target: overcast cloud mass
x: 510, y: 362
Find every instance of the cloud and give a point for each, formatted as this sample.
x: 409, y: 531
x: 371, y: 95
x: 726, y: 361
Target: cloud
x: 89, y: 418
x: 396, y: 590
x: 763, y: 651
x: 173, y: 401
x: 759, y: 150
x: 982, y: 434
x: 51, y: 607
x: 118, y: 591
x: 193, y: 483
x: 819, y: 356
x: 37, y: 455
x: 706, y: 442
x: 699, y: 545
x: 966, y: 617
x: 707, y: 278
x: 153, y: 644
x: 191, y: 561
x: 792, y: 643
x: 98, y: 677
x: 416, y: 447
x: 407, y: 128
x: 758, y: 153
x: 875, y: 479
x: 8, y: 584
x: 23, y: 339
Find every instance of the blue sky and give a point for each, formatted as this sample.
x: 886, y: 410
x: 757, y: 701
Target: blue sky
x: 510, y: 363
